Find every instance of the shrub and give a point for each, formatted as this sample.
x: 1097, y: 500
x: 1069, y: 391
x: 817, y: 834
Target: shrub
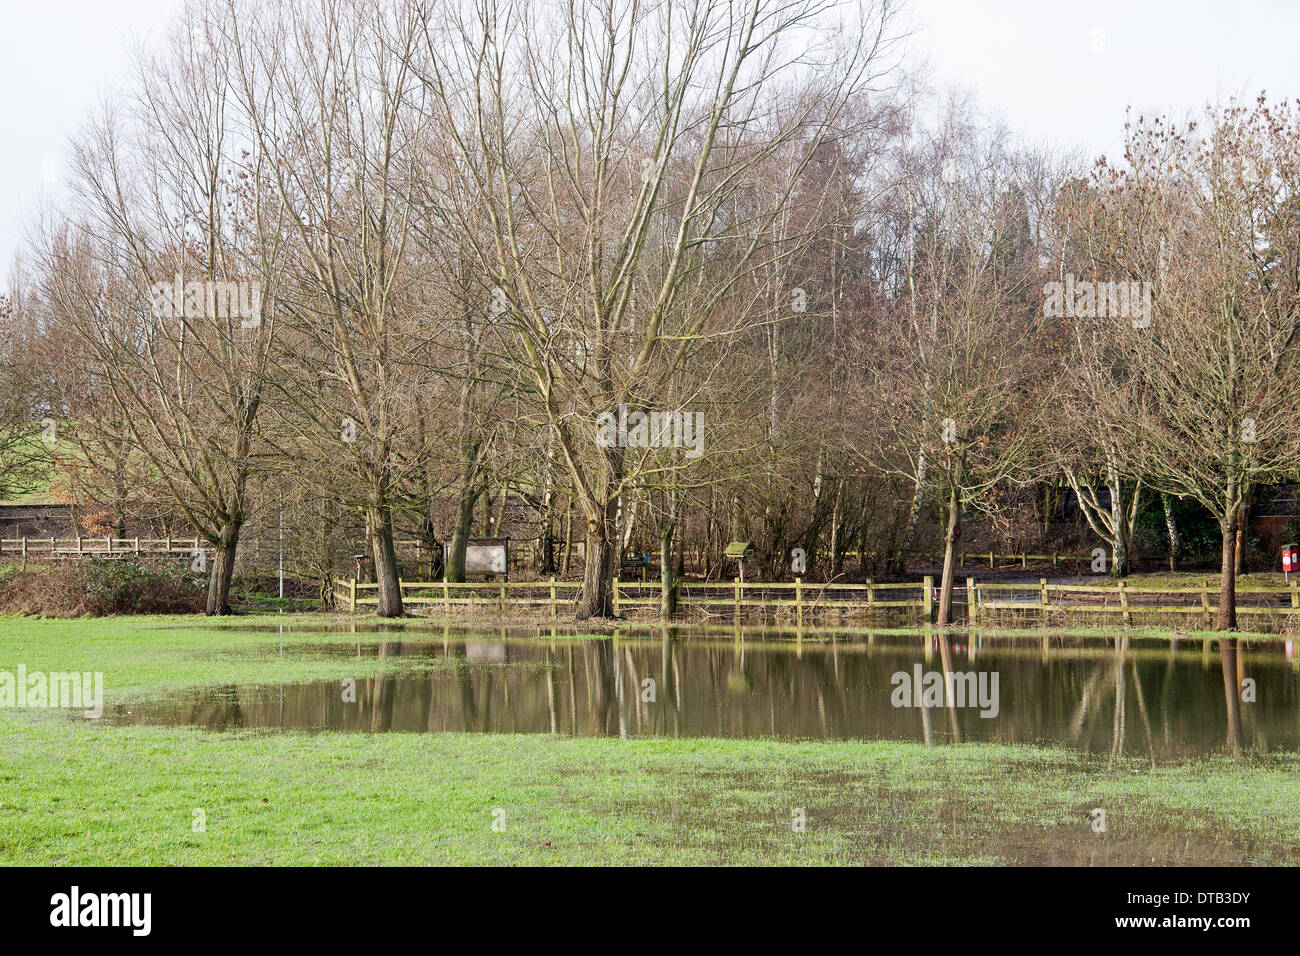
x: 99, y: 587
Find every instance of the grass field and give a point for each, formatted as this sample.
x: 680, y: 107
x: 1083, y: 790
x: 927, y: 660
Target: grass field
x: 95, y: 793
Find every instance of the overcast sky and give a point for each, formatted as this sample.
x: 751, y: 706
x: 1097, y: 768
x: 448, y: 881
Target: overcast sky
x: 1056, y: 72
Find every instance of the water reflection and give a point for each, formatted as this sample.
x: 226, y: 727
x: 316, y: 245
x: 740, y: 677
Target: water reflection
x: 1165, y: 700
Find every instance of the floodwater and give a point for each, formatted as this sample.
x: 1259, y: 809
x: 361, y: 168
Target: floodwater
x: 1164, y: 699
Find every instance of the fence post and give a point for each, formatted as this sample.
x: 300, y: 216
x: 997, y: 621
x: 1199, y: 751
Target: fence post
x: 503, y: 597
x: 1205, y: 600
x: 1295, y: 595
x: 798, y: 600
x: 617, y: 605
x: 446, y: 595
x: 1043, y: 599
x: 972, y: 601
x: 352, y: 594
x: 78, y: 544
x: 1123, y: 602
x: 737, y: 599
x: 1056, y: 560
x: 24, y: 548
x: 871, y: 591
x: 990, y: 560
x: 1024, y: 560
x: 137, y: 545
x: 553, y: 606
x: 928, y: 603
x: 108, y: 545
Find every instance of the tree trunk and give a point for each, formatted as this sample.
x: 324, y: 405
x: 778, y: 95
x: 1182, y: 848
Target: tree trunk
x: 546, y: 532
x: 1119, y: 543
x: 1243, y: 525
x: 1171, y: 524
x: 597, y: 597
x: 460, y: 533
x: 379, y: 531
x: 1227, y: 618
x: 949, y: 557
x: 568, y: 539
x: 667, y: 596
x: 918, y: 501
x: 223, y: 568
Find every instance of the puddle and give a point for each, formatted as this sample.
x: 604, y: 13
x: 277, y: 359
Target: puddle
x: 1163, y: 700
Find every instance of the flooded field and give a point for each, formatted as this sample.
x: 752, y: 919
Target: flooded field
x: 1165, y: 700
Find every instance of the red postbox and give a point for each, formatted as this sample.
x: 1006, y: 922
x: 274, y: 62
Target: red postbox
x: 1290, y: 558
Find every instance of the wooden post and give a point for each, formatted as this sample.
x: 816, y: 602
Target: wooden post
x: 553, y: 605
x: 617, y: 605
x: 798, y: 599
x: 137, y: 545
x: 972, y: 601
x: 352, y: 595
x: 169, y: 544
x: 1056, y: 560
x: 1295, y: 594
x: 990, y: 560
x: 928, y: 602
x: 1043, y: 598
x: 446, y: 595
x: 738, y: 585
x: 24, y: 549
x: 1123, y: 602
x: 108, y: 545
x: 1024, y: 560
x: 871, y: 591
x: 1205, y: 600
x: 78, y: 544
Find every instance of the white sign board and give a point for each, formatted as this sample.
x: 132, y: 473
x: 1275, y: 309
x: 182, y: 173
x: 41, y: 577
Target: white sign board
x: 483, y: 557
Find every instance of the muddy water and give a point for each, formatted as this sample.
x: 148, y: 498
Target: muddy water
x: 1164, y: 699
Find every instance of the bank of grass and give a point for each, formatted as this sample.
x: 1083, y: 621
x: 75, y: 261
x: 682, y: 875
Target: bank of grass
x: 144, y: 655
x: 79, y: 793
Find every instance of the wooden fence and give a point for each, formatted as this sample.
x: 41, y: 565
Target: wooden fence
x: 80, y: 547
x: 800, y: 598
x: 1126, y: 600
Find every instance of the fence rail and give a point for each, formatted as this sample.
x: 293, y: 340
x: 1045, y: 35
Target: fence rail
x: 92, y: 547
x: 1126, y: 600
x: 798, y: 596
x: 801, y: 598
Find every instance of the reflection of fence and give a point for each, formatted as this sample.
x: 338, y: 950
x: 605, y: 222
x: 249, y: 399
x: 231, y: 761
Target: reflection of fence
x: 1126, y: 600
x: 98, y: 547
x: 798, y: 597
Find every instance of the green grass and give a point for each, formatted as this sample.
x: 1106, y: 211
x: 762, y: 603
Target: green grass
x: 91, y: 794
x: 146, y: 655
x: 95, y: 793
